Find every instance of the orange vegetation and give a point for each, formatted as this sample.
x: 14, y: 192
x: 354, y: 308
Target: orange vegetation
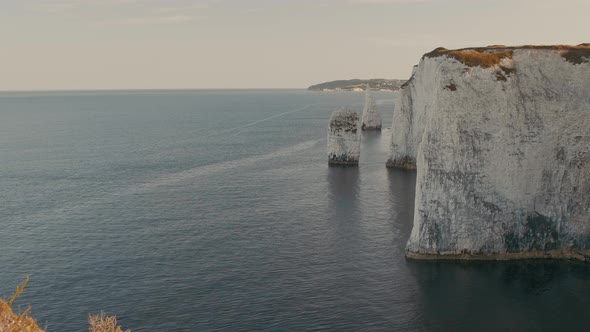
x: 484, y: 58
x: 11, y: 322
x: 104, y: 323
x: 491, y: 55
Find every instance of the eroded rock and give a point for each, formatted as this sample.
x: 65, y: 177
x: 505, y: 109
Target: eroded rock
x: 344, y: 138
x: 500, y: 137
x: 371, y: 119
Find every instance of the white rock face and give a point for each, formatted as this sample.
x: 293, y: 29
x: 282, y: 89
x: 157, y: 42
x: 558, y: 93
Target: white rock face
x: 344, y: 140
x: 502, y: 153
x: 371, y: 119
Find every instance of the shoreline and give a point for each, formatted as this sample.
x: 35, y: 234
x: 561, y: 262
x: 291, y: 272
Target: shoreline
x: 578, y: 255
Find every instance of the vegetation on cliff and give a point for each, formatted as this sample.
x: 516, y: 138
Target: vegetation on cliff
x: 13, y: 322
x: 489, y: 56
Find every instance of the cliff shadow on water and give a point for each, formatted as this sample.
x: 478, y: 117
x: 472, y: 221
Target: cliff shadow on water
x: 402, y: 188
x: 460, y: 295
x: 343, y: 237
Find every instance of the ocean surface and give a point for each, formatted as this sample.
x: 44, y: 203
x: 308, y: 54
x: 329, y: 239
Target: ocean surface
x: 217, y: 211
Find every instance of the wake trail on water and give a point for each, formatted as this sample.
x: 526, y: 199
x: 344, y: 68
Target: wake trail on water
x: 269, y: 118
x: 206, y: 170
x: 221, y: 133
x: 171, y: 179
x: 191, y: 174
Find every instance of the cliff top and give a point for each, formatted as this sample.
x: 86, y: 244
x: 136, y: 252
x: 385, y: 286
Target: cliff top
x: 492, y: 55
x: 343, y: 117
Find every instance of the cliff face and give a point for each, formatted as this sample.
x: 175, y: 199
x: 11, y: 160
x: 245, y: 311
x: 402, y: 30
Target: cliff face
x: 407, y: 125
x: 344, y: 138
x: 500, y: 137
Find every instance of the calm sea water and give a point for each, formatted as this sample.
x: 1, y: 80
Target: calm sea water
x: 216, y: 210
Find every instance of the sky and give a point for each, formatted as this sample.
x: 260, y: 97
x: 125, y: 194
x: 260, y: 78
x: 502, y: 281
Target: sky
x: 201, y: 44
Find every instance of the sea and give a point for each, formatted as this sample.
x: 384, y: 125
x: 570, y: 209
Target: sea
x: 215, y: 210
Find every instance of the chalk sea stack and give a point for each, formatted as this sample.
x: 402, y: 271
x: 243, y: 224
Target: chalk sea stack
x: 500, y: 138
x: 371, y: 119
x: 344, y: 138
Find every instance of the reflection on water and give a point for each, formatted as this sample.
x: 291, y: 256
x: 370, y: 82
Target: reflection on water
x: 343, y: 183
x: 371, y: 143
x: 374, y: 148
x: 344, y: 210
x: 508, y: 296
x: 401, y: 204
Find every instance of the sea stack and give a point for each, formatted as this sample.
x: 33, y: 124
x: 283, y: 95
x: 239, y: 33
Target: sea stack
x: 500, y: 137
x: 344, y: 140
x: 371, y: 119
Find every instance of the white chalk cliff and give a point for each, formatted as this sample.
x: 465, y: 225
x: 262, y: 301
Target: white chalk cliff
x: 500, y: 137
x: 344, y: 138
x: 371, y: 119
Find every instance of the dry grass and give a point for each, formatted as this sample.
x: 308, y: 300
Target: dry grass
x: 11, y: 322
x: 103, y: 323
x: 474, y: 58
x: 485, y: 58
x: 491, y: 55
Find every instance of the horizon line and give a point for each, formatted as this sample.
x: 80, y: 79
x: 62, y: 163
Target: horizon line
x: 142, y: 89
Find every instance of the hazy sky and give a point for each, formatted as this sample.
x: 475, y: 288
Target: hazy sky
x: 114, y: 44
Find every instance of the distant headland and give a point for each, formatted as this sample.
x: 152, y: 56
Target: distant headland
x: 375, y: 84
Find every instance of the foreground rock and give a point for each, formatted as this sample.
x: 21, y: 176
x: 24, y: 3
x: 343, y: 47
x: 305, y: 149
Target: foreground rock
x: 344, y: 140
x: 500, y: 137
x: 371, y: 119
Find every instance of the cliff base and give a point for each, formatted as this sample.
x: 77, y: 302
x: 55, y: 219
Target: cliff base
x: 578, y: 255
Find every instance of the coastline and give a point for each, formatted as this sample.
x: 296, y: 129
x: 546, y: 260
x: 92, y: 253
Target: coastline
x: 578, y: 255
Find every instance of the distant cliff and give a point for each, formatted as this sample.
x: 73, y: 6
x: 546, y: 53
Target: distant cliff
x: 500, y: 138
x: 371, y: 119
x: 359, y: 85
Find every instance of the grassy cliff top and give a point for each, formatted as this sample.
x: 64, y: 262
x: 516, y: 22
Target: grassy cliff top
x: 492, y: 55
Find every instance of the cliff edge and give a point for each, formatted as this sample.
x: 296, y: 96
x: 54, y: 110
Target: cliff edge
x: 500, y: 138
